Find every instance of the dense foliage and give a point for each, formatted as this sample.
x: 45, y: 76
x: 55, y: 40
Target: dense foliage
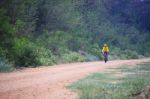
x: 43, y: 32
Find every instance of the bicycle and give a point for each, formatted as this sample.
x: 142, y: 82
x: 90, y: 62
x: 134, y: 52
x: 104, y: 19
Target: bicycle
x: 105, y: 57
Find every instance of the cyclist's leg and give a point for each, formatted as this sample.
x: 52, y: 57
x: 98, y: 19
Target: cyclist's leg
x: 106, y: 57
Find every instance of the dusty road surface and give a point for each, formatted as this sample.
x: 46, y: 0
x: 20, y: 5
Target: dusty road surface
x: 51, y: 82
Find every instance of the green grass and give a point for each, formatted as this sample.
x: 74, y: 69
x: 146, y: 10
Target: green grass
x: 139, y: 67
x: 144, y: 66
x: 123, y: 69
x: 101, y: 86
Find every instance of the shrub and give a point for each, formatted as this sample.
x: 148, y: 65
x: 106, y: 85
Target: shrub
x: 117, y: 53
x: 34, y: 55
x: 27, y: 57
x: 5, y: 66
x: 19, y: 46
x: 3, y: 52
x: 56, y: 41
x: 130, y: 54
x: 73, y: 57
x: 21, y: 53
x: 44, y: 56
x: 92, y: 57
x: 95, y: 50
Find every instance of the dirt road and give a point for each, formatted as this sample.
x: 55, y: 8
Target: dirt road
x: 51, y: 82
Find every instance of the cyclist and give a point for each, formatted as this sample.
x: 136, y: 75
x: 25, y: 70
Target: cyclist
x: 105, y: 51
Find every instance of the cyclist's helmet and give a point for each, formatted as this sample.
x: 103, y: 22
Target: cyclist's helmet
x: 105, y: 44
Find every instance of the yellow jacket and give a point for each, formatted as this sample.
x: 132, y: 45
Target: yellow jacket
x: 105, y: 49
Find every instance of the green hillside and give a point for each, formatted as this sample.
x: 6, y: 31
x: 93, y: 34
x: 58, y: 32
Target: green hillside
x: 46, y: 32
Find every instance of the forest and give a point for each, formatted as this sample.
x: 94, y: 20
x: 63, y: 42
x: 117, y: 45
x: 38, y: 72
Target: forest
x: 46, y: 32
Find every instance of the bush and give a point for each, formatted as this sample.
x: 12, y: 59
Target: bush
x: 117, y: 53
x: 34, y: 55
x: 3, y: 52
x: 56, y: 41
x: 130, y: 54
x: 19, y: 45
x: 44, y: 56
x: 73, y: 57
x: 92, y: 57
x: 96, y: 51
x: 21, y: 53
x: 5, y: 66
